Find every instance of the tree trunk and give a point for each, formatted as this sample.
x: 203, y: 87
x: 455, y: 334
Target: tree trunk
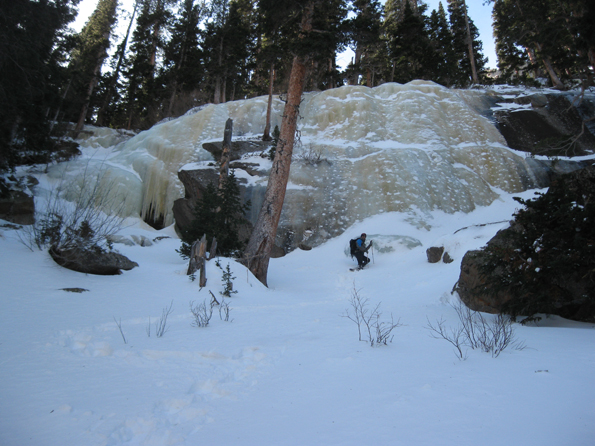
x: 225, y: 153
x: 550, y: 69
x: 266, y: 136
x: 470, y: 46
x: 83, y: 115
x: 112, y: 85
x: 257, y: 254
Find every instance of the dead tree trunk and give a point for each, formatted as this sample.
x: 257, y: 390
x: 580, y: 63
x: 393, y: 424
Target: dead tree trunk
x: 225, y: 153
x: 266, y: 136
x: 198, y: 254
x: 257, y: 254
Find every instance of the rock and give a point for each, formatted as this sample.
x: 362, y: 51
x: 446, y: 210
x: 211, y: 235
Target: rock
x: 277, y: 252
x: 238, y: 148
x: 92, y: 261
x: 17, y: 207
x: 434, y: 254
x: 195, y: 183
x: 546, y: 128
x: 568, y: 291
x: 446, y: 258
x: 471, y: 286
x: 304, y: 247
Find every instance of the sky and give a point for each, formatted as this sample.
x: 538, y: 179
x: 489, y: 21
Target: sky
x: 480, y: 14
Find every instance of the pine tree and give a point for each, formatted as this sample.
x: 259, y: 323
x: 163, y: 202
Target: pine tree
x: 88, y: 57
x: 228, y: 47
x: 110, y: 95
x: 364, y: 36
x: 444, y: 59
x: 311, y: 44
x: 182, y: 72
x: 34, y: 42
x: 143, y: 95
x: 555, y: 36
x: 410, y: 48
x: 465, y: 33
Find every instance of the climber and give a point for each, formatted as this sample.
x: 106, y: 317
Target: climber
x: 358, y: 250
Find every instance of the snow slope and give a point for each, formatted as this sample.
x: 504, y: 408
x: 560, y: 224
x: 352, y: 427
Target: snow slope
x: 287, y: 369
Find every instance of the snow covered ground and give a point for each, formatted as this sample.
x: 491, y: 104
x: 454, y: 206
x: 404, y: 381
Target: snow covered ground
x: 287, y: 368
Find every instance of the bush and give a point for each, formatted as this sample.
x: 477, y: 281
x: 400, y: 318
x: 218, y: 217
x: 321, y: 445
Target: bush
x: 82, y: 224
x: 476, y: 332
x: 369, y: 326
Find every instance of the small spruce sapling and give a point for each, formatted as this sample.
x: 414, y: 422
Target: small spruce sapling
x: 227, y: 279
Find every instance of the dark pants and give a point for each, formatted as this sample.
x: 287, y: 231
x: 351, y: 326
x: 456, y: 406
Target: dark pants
x: 362, y: 260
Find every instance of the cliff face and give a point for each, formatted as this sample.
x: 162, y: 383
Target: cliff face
x: 409, y: 148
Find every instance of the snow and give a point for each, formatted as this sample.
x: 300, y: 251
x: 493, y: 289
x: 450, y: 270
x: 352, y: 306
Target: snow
x: 287, y: 369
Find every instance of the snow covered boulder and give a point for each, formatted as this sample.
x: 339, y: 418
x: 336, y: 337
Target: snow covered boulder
x: 92, y: 261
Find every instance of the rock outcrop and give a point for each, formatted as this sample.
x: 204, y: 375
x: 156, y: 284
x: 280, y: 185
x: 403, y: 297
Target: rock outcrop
x: 548, y: 124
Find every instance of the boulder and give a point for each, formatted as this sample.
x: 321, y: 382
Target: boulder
x: 92, y: 261
x: 435, y: 253
x: 17, y: 207
x: 195, y: 183
x: 238, y: 148
x: 446, y: 258
x: 560, y: 290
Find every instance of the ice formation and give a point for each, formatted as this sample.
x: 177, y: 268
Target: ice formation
x: 361, y: 151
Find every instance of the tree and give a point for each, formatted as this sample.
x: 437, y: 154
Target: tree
x: 466, y: 43
x: 112, y: 81
x: 142, y: 93
x: 228, y: 47
x: 409, y: 48
x: 257, y: 254
x: 183, y: 70
x: 556, y: 36
x: 364, y: 36
x: 88, y: 57
x: 445, y: 63
x: 34, y: 41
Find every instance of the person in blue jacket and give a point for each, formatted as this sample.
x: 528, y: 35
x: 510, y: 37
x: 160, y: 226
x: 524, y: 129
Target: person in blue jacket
x: 362, y: 249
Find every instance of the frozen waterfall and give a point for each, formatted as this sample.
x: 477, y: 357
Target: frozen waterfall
x: 417, y: 146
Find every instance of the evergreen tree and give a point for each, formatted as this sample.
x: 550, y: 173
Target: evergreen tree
x: 219, y: 214
x: 109, y: 96
x: 34, y: 41
x: 555, y: 36
x: 410, y: 48
x: 464, y: 34
x: 364, y: 37
x: 182, y: 71
x: 142, y: 97
x: 228, y: 47
x: 87, y: 60
x: 444, y: 59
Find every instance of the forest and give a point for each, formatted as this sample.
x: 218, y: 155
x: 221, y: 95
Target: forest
x: 175, y: 55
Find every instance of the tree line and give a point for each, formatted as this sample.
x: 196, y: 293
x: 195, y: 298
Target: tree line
x: 179, y: 54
